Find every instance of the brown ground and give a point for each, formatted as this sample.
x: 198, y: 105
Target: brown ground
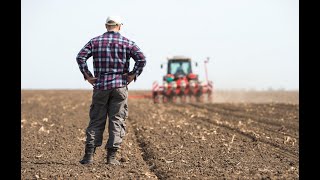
x: 221, y: 140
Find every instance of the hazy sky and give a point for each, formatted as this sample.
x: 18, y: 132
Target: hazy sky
x: 251, y: 43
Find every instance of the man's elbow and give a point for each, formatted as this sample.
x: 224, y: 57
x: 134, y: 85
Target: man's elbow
x: 143, y: 61
x: 80, y: 59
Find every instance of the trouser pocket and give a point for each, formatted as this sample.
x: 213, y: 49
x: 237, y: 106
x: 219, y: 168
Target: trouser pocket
x: 122, y: 92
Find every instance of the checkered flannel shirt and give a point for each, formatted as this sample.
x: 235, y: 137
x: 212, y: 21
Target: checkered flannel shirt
x: 111, y: 60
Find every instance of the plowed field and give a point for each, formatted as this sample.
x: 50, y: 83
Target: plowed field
x: 221, y: 140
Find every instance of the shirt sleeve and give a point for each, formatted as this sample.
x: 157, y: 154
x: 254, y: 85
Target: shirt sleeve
x: 139, y: 58
x: 82, y: 57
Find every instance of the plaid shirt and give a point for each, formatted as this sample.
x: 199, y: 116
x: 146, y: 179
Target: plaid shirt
x: 111, y: 59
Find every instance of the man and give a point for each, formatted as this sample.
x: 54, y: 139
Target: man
x: 111, y: 57
x: 180, y: 70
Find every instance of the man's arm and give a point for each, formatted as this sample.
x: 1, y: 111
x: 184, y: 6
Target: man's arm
x: 82, y: 57
x: 140, y: 62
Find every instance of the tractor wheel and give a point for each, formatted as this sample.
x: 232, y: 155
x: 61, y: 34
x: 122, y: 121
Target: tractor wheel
x: 156, y: 98
x: 165, y: 99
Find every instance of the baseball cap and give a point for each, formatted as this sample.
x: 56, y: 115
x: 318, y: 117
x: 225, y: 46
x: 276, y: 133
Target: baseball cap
x: 115, y: 20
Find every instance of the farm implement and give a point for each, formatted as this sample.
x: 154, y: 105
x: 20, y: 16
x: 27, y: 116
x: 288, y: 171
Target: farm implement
x: 181, y: 84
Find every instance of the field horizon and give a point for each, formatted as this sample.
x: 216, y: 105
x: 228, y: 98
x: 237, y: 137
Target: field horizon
x: 222, y: 96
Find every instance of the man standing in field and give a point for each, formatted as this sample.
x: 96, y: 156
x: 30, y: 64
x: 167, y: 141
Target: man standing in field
x: 111, y: 60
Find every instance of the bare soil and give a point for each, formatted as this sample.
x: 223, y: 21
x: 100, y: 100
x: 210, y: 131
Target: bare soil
x: 220, y: 140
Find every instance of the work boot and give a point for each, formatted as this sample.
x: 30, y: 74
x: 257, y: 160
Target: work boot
x: 88, y: 156
x: 111, y: 156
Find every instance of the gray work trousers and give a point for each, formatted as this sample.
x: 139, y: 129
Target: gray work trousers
x: 114, y: 105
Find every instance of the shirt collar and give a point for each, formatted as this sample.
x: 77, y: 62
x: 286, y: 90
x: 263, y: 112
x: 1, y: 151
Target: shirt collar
x: 112, y: 32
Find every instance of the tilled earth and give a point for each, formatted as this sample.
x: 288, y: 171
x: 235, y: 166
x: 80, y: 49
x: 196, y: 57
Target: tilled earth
x: 163, y: 141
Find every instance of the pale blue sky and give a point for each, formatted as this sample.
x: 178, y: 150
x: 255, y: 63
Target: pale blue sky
x: 251, y: 43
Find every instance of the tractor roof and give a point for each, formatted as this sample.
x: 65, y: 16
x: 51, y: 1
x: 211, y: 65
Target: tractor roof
x: 179, y: 58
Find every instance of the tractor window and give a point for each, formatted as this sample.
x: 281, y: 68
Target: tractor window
x: 180, y: 68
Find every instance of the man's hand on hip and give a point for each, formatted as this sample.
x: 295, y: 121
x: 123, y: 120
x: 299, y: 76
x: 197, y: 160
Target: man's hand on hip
x: 91, y: 80
x: 130, y: 78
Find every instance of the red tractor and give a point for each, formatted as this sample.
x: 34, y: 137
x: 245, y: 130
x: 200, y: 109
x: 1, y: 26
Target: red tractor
x: 180, y: 83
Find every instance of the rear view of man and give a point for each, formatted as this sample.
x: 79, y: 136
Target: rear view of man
x: 111, y: 54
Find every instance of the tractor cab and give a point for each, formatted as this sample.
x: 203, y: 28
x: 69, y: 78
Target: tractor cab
x: 179, y: 67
